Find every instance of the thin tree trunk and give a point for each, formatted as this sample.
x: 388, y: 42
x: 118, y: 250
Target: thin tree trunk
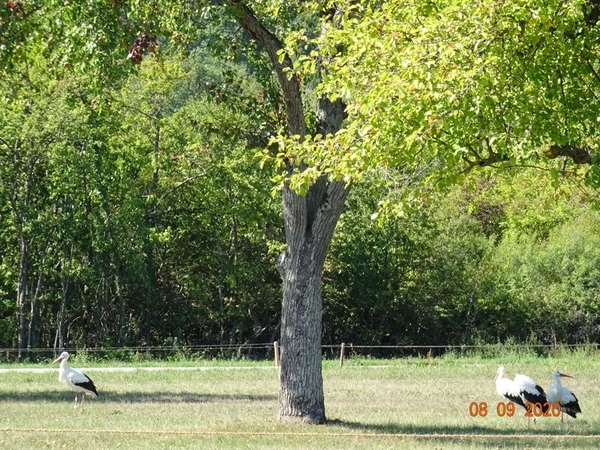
x: 150, y: 218
x: 122, y: 319
x: 61, y: 326
x: 61, y: 323
x: 21, y: 212
x: 31, y: 335
x: 22, y: 282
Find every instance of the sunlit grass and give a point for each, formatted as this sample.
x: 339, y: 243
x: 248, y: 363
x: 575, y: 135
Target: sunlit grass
x: 371, y: 404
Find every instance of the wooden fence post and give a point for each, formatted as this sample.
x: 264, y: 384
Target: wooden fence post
x: 342, y: 351
x: 276, y: 352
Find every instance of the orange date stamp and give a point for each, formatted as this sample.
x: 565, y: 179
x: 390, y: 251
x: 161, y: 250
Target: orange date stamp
x: 508, y: 409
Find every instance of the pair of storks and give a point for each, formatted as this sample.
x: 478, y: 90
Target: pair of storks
x: 523, y: 390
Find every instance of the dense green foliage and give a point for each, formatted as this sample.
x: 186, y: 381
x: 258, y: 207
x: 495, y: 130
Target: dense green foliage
x: 108, y: 197
x: 156, y: 241
x: 474, y: 268
x: 469, y: 83
x: 133, y: 209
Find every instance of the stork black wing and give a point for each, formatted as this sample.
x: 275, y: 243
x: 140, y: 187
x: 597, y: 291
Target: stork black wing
x: 536, y: 395
x: 88, y: 385
x: 515, y: 399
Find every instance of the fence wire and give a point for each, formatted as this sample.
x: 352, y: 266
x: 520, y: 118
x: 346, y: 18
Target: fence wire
x: 268, y: 350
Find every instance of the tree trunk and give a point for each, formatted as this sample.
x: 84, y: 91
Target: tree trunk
x: 121, y: 303
x: 301, y: 396
x: 21, y: 213
x: 22, y: 281
x: 61, y: 325
x: 147, y: 315
x: 31, y: 332
x: 62, y: 339
x: 309, y: 224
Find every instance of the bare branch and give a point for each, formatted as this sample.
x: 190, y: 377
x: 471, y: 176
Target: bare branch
x: 181, y: 184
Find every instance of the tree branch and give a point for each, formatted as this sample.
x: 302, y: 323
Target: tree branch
x: 579, y: 155
x: 288, y: 80
x: 489, y: 160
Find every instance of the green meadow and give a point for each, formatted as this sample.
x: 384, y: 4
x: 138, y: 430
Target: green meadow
x: 411, y: 403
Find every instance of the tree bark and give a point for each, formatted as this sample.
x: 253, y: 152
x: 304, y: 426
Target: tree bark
x: 22, y: 282
x: 308, y: 235
x: 61, y: 340
x: 31, y: 333
x: 309, y: 225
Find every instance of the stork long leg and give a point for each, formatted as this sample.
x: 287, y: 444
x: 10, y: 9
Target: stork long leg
x: 82, y: 399
x: 75, y: 404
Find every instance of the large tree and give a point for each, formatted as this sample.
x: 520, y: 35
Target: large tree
x: 310, y: 218
x: 97, y: 37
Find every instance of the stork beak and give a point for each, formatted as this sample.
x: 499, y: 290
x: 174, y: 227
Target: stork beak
x: 495, y: 377
x: 57, y: 360
x: 565, y: 375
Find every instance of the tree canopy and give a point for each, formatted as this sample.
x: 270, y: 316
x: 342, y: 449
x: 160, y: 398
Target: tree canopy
x: 454, y: 85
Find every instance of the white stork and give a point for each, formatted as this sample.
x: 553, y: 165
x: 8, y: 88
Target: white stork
x: 75, y: 380
x: 531, y: 392
x: 557, y: 393
x: 522, y: 390
x: 507, y: 388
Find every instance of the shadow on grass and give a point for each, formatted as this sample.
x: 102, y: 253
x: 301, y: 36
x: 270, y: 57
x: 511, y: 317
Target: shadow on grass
x: 487, y: 436
x: 135, y: 397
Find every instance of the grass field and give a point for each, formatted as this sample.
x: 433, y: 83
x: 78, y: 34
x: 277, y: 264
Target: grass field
x: 371, y: 404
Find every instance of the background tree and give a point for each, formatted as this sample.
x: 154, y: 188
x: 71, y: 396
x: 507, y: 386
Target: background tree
x: 42, y: 120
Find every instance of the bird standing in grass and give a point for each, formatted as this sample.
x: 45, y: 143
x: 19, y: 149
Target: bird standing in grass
x: 75, y: 380
x: 532, y: 393
x: 507, y: 388
x: 557, y: 393
x: 523, y: 391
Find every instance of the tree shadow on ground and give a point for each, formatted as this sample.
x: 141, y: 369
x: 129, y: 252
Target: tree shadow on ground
x: 487, y: 436
x: 135, y: 397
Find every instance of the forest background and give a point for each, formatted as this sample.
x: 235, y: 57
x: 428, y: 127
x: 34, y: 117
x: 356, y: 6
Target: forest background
x: 145, y: 212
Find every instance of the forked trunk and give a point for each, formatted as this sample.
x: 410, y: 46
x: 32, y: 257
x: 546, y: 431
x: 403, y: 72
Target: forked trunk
x: 310, y: 222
